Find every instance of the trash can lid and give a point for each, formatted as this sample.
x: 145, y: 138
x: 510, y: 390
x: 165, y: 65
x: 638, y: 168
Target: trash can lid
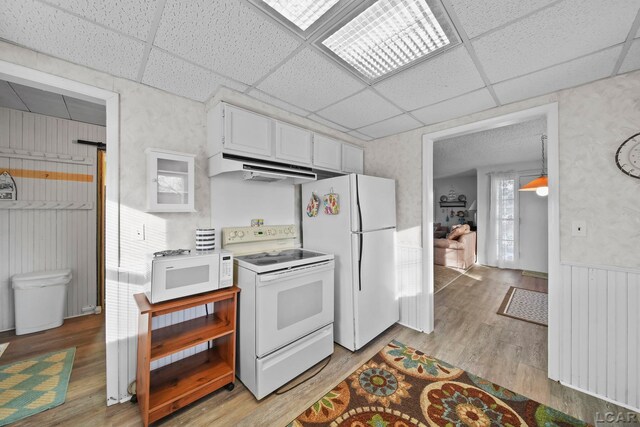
x: 38, y: 279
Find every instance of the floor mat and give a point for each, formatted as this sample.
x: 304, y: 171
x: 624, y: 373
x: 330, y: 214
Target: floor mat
x: 401, y: 386
x: 537, y: 274
x: 524, y: 304
x: 34, y: 385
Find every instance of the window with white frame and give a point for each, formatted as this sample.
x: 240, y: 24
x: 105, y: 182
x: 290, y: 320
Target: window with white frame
x: 504, y: 219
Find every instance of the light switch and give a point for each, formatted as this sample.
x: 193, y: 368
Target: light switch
x: 579, y: 228
x: 139, y: 232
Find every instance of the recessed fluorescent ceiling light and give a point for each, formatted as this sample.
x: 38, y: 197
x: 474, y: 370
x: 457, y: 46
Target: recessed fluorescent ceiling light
x: 388, y: 35
x: 303, y: 13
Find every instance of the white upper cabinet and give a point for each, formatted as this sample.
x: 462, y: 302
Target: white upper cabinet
x: 293, y: 144
x: 327, y: 153
x: 170, y: 181
x: 247, y: 133
x: 352, y: 159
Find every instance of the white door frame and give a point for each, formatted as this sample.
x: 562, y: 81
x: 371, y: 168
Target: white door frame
x: 45, y: 81
x: 550, y: 111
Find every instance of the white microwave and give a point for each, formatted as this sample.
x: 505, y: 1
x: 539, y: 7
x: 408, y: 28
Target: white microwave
x: 189, y: 274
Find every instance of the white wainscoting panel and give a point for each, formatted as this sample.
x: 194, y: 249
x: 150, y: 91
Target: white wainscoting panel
x: 49, y: 238
x: 409, y: 282
x: 600, y: 332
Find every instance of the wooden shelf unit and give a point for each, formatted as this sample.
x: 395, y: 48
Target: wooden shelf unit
x: 169, y: 388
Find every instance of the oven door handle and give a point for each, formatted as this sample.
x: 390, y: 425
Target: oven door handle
x: 296, y: 272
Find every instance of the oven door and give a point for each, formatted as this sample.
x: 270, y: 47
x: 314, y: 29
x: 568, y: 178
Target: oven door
x: 291, y: 304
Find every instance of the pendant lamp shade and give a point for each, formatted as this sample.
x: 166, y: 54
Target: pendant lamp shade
x: 541, y: 184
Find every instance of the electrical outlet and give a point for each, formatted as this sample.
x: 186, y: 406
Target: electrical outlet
x: 139, y: 232
x: 579, y: 228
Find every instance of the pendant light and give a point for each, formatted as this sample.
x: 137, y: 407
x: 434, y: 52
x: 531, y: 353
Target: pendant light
x: 541, y: 184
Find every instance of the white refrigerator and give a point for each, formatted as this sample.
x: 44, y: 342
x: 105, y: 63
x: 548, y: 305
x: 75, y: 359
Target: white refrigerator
x: 362, y: 238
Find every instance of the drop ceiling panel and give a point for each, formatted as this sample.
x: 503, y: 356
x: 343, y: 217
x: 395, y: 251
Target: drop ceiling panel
x: 478, y: 17
x: 360, y: 136
x: 177, y: 76
x: 42, y: 102
x: 569, y: 74
x: 9, y: 99
x: 567, y: 30
x: 360, y: 110
x: 87, y: 112
x: 133, y: 17
x: 632, y: 60
x: 46, y: 29
x: 227, y: 36
x: 457, y: 107
x: 326, y: 122
x: 261, y: 96
x: 391, y: 126
x: 310, y: 81
x: 442, y: 77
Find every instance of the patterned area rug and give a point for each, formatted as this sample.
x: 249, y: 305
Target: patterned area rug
x: 524, y: 304
x: 34, y: 385
x: 401, y: 386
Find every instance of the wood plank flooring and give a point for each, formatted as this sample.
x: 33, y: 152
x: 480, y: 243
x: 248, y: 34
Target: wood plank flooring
x: 468, y: 334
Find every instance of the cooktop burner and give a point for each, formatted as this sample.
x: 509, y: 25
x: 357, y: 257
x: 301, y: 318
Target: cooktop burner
x: 270, y: 258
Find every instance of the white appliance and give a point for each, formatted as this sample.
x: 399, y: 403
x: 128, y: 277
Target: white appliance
x: 362, y: 238
x: 285, y: 323
x: 258, y: 170
x: 187, y: 274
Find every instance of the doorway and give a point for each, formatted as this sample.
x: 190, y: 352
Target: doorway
x: 550, y: 112
x: 115, y: 362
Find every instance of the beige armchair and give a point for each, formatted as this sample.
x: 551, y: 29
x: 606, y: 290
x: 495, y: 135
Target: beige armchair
x: 459, y: 253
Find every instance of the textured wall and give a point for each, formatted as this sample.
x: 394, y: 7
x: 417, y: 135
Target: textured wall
x: 594, y: 120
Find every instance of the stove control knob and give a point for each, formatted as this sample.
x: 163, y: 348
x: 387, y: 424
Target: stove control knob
x: 241, y: 234
x: 233, y: 234
x: 290, y: 230
x: 271, y: 232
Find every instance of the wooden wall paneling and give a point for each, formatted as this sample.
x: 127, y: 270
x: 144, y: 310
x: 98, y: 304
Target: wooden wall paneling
x: 633, y: 339
x: 565, y: 324
x: 45, y: 239
x: 598, y: 349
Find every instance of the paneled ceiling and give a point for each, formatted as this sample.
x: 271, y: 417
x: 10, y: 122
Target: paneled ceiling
x: 25, y: 98
x: 463, y: 155
x: 510, y: 50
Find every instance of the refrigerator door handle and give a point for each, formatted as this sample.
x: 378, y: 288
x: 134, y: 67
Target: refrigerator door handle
x: 358, y: 205
x: 361, y: 238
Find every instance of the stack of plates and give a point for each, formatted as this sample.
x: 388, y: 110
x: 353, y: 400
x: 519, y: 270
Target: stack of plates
x: 205, y: 239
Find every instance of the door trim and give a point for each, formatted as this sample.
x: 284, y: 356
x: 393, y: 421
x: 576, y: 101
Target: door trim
x: 550, y: 111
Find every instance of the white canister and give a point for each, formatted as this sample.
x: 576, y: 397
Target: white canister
x: 205, y: 239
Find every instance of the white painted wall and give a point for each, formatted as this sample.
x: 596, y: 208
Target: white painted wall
x: 235, y: 202
x: 49, y: 239
x: 466, y: 185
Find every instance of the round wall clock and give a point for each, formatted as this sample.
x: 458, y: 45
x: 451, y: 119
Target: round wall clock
x: 628, y: 156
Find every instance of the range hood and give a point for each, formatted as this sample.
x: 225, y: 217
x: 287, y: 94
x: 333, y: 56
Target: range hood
x: 258, y: 170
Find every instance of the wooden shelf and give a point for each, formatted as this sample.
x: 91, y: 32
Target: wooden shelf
x: 174, y: 338
x: 171, y: 387
x: 184, y: 379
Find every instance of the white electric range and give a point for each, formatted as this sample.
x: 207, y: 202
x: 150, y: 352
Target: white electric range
x: 285, y: 323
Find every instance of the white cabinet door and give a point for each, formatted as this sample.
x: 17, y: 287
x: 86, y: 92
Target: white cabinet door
x: 247, y: 133
x: 352, y: 159
x: 327, y: 153
x: 170, y: 181
x: 293, y: 144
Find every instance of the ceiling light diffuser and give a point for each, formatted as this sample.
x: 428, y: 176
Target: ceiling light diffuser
x: 303, y: 13
x: 388, y: 35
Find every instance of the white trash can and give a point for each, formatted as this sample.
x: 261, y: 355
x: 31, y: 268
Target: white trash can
x: 40, y: 299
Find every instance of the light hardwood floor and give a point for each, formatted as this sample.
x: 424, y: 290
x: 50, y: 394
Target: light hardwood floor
x: 468, y: 334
